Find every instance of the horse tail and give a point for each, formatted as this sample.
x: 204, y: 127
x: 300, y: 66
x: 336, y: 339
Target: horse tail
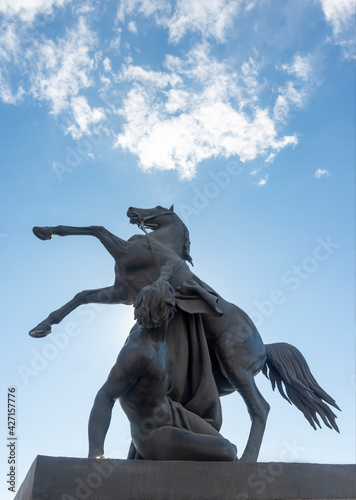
x: 286, y: 364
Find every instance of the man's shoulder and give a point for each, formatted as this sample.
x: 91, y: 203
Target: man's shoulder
x: 135, y: 357
x: 138, y: 335
x: 140, y: 344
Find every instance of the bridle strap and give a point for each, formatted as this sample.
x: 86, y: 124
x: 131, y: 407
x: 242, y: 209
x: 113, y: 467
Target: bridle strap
x: 143, y: 219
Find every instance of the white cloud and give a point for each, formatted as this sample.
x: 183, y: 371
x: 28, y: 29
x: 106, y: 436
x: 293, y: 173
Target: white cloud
x: 270, y: 158
x: 58, y: 70
x: 299, y: 67
x: 158, y: 79
x: 263, y: 181
x: 321, y: 173
x: 28, y: 9
x: 132, y: 27
x: 294, y: 93
x: 116, y: 41
x: 177, y: 101
x: 83, y: 9
x: 9, y: 54
x: 107, y: 65
x: 288, y: 95
x: 9, y: 42
x: 250, y: 77
x: 6, y: 93
x: 171, y: 126
x: 211, y: 18
x: 340, y: 14
x: 197, y: 107
x: 141, y: 7
x: 64, y: 67
x: 84, y: 116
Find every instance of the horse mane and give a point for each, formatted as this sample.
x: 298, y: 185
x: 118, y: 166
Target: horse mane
x: 186, y: 239
x: 187, y: 255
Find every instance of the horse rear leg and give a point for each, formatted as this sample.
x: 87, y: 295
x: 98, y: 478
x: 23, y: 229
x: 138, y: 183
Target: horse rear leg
x: 107, y: 295
x: 258, y: 408
x: 113, y: 244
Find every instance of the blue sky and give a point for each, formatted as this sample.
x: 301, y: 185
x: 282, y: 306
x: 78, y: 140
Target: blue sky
x: 242, y: 114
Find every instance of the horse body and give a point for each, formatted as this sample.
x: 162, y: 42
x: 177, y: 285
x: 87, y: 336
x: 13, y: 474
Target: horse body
x: 137, y: 269
x: 236, y: 349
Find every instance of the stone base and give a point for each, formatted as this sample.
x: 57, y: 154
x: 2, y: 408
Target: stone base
x: 57, y: 478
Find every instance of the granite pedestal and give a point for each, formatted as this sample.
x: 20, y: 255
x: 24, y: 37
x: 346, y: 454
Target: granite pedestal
x: 59, y: 478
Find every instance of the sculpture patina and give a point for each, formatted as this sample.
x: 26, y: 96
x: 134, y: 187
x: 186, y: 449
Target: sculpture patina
x: 161, y: 429
x: 213, y: 346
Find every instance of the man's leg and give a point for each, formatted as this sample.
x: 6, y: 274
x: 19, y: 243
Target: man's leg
x: 171, y: 443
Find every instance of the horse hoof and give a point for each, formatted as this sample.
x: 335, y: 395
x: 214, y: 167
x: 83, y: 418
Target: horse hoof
x: 43, y: 233
x: 40, y: 330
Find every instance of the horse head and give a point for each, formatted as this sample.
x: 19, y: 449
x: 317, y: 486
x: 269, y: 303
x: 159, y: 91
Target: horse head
x: 150, y: 218
x: 159, y: 218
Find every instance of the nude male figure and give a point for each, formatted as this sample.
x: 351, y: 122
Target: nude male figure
x: 161, y: 429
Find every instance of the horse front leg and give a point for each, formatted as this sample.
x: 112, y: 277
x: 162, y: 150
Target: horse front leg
x: 113, y: 244
x: 107, y: 295
x: 46, y: 232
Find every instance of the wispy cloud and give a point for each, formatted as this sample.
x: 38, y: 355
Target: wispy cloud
x: 190, y: 106
x: 263, y: 181
x: 107, y: 65
x: 294, y: 92
x: 7, y: 94
x: 211, y: 19
x: 132, y: 26
x: 9, y: 42
x: 321, y: 173
x: 27, y: 10
x: 195, y: 110
x: 287, y: 95
x: 144, y: 8
x: 10, y: 92
x: 84, y: 116
x: 54, y: 70
x: 340, y: 14
x: 300, y: 66
x: 63, y: 67
x: 156, y: 79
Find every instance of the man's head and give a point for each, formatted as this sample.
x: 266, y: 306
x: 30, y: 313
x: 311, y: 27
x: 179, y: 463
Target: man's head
x: 155, y: 304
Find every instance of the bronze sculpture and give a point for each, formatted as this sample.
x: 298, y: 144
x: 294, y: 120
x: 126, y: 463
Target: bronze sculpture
x: 214, y: 347
x: 161, y: 429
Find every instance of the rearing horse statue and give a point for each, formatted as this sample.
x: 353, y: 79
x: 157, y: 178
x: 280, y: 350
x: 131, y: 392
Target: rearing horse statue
x: 236, y: 351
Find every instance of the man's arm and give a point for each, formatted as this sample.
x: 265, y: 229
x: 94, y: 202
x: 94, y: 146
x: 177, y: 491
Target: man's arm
x: 132, y: 362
